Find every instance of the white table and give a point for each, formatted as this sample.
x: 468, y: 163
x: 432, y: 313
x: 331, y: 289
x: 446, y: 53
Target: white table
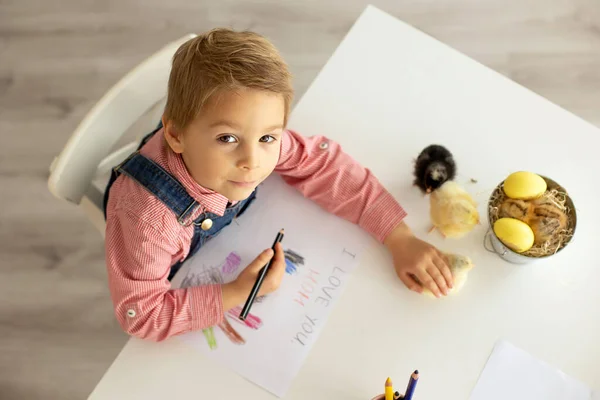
x: 387, y: 92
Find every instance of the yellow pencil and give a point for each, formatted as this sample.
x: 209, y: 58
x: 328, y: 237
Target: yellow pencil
x: 389, y: 390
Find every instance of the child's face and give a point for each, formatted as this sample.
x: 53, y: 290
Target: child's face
x: 234, y: 144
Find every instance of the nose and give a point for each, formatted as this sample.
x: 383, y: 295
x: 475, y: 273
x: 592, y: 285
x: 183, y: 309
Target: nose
x: 249, y: 158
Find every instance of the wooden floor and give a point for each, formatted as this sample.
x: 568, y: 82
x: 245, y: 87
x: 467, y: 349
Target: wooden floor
x: 57, y: 57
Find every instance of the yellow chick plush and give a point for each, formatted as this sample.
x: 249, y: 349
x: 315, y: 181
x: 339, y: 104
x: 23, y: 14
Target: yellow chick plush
x: 459, y: 266
x: 452, y: 210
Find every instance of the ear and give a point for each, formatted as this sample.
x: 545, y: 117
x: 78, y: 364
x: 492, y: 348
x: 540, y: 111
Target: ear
x: 173, y: 136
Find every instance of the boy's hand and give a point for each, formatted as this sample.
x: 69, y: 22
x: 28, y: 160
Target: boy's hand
x: 237, y: 291
x: 414, y: 258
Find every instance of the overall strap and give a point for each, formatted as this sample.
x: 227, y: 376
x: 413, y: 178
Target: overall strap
x: 161, y: 184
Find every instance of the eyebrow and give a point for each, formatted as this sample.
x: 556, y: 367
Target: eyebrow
x: 237, y: 127
x: 272, y: 128
x: 224, y: 123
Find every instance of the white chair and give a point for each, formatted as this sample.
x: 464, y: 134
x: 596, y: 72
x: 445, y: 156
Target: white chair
x: 85, y: 158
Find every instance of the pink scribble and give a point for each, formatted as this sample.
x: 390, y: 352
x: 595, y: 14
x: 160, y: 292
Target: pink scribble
x: 232, y: 263
x: 252, y: 321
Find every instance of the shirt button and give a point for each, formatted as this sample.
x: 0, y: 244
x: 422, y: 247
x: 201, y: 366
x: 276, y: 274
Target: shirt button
x: 131, y: 313
x: 206, y: 224
x: 324, y: 145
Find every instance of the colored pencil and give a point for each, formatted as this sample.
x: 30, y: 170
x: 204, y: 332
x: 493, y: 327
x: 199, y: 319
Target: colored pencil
x: 389, y: 390
x: 259, y: 280
x: 412, y: 384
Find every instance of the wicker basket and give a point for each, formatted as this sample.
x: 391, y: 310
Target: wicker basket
x: 494, y: 245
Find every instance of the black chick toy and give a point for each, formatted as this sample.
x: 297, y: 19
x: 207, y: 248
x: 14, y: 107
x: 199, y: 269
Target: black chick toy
x: 434, y: 166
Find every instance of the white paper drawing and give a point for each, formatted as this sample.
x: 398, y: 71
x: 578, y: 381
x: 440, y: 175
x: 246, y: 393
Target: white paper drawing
x: 321, y: 251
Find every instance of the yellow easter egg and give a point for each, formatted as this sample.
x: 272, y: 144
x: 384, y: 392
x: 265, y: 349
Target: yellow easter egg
x: 524, y: 185
x: 515, y: 234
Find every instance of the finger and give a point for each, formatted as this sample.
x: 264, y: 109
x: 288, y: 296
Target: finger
x: 277, y: 267
x: 410, y: 283
x: 276, y: 271
x: 439, y: 279
x: 262, y: 260
x: 442, y: 264
x: 279, y: 256
x: 427, y: 281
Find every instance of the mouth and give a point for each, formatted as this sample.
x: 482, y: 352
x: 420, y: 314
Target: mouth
x: 244, y: 184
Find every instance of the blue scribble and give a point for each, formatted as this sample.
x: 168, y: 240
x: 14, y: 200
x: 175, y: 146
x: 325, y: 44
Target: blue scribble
x: 292, y: 260
x: 290, y: 267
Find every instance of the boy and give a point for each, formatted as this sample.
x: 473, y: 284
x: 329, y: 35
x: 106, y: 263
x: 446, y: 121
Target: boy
x: 222, y: 133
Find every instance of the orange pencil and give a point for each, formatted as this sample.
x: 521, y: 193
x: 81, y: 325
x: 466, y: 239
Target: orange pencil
x: 389, y: 390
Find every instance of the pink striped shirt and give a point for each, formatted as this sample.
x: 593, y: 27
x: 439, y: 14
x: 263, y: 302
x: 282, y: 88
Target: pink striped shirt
x: 143, y: 237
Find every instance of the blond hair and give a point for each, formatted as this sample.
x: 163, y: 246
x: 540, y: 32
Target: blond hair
x: 222, y: 59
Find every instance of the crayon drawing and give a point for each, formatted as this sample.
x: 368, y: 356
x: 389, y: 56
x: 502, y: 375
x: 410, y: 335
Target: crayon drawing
x: 292, y: 261
x: 231, y: 264
x: 229, y: 267
x: 212, y: 275
x: 252, y: 321
x: 205, y: 276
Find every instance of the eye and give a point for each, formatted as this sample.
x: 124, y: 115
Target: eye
x: 267, y: 139
x: 227, y: 139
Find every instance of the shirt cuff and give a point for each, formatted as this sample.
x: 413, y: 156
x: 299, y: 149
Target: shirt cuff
x: 383, y: 216
x: 206, y: 306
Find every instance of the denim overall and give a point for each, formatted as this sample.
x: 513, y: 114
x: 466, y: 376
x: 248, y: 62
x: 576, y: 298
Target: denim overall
x: 172, y: 193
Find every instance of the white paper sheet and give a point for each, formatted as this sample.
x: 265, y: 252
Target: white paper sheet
x: 514, y: 374
x: 322, y: 251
